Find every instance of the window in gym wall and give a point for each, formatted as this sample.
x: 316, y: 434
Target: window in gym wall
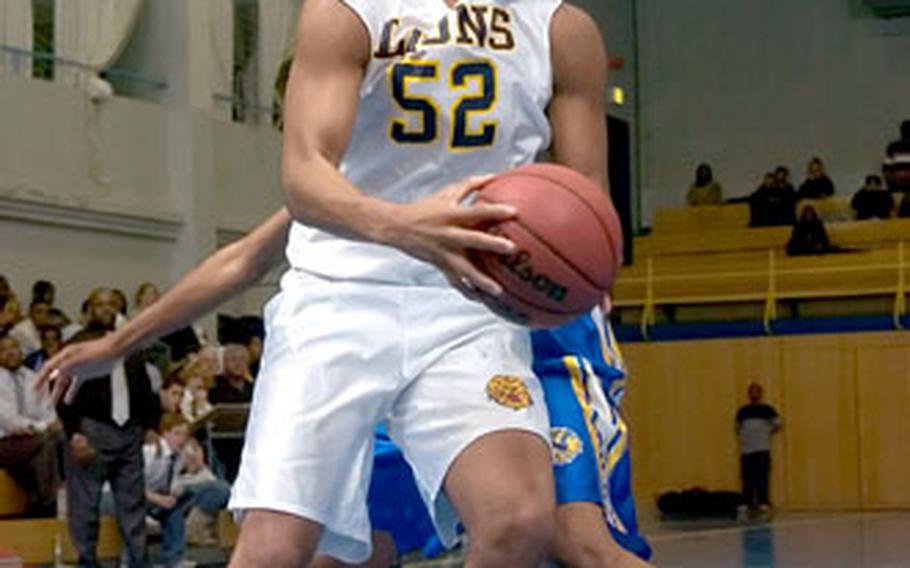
x: 245, y: 77
x: 43, y: 39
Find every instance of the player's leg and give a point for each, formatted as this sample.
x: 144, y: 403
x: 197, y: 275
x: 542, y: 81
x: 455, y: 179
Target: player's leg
x: 583, y: 539
x: 596, y: 523
x: 502, y: 487
x: 384, y: 555
x: 272, y: 539
x: 308, y: 450
x: 473, y: 420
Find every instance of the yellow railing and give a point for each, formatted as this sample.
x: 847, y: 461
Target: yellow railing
x: 900, y: 294
x: 771, y: 292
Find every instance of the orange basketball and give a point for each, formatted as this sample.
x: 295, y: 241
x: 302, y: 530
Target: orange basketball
x: 569, y: 241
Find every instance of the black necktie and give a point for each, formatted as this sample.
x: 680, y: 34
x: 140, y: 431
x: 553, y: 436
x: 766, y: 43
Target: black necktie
x: 171, y: 467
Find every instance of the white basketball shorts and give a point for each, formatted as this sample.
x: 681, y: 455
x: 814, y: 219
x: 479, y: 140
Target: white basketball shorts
x: 342, y: 356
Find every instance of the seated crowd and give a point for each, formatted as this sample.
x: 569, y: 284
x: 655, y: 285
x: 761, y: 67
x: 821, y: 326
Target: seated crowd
x: 776, y: 202
x: 137, y: 437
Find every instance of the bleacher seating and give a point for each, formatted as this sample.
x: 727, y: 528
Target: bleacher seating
x: 709, y: 255
x: 856, y: 234
x: 690, y: 220
x: 752, y: 277
x: 34, y: 540
x: 13, y: 499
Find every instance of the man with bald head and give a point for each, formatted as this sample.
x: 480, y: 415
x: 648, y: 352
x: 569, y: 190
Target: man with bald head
x: 104, y: 426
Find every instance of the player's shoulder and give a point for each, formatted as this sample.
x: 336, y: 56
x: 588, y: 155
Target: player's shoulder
x: 574, y: 21
x: 576, y: 47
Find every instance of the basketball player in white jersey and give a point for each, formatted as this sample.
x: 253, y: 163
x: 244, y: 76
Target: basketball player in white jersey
x: 410, y: 96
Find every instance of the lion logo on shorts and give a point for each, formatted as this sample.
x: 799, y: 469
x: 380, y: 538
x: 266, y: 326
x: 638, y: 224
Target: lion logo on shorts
x: 567, y: 445
x: 509, y: 391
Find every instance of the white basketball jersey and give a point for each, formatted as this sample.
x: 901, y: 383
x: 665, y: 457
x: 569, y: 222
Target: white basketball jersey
x: 448, y: 93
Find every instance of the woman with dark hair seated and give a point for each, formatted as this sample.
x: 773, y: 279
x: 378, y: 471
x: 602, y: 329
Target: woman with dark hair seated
x: 809, y: 235
x: 873, y: 201
x: 817, y: 185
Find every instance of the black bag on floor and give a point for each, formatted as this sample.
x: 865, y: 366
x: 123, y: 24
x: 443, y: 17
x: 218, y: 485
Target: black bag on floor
x: 697, y: 502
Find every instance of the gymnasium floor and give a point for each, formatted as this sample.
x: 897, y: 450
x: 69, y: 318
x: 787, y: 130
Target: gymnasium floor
x: 861, y: 540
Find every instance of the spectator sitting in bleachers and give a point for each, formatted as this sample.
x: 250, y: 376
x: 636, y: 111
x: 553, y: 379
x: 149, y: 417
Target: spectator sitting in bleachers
x: 774, y: 202
x: 234, y: 386
x: 26, y: 331
x: 705, y: 190
x: 210, y: 495
x: 809, y: 235
x: 195, y: 402
x: 873, y: 201
x: 171, y: 394
x: 163, y: 461
x: 5, y: 289
x: 782, y: 179
x: 897, y: 161
x: 903, y: 208
x: 817, y: 185
x: 236, y: 383
x: 44, y: 291
x: 146, y: 295
x: 29, y: 431
x: 9, y: 312
x: 51, y: 344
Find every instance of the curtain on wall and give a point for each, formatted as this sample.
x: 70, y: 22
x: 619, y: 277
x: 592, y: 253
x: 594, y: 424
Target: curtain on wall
x: 277, y: 25
x: 93, y: 32
x: 15, y: 32
x: 221, y: 18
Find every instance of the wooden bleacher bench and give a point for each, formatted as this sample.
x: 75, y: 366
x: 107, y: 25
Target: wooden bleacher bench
x: 733, y: 216
x: 34, y: 539
x: 704, y: 218
x: 13, y: 499
x: 747, y: 277
x: 709, y: 256
x: 868, y: 234
x: 228, y: 531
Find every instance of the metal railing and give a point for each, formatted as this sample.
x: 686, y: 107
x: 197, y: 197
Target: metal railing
x: 770, y: 272
x: 21, y: 57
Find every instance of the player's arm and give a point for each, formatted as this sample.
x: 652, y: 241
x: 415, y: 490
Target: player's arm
x: 577, y: 112
x: 225, y: 273
x: 332, y: 52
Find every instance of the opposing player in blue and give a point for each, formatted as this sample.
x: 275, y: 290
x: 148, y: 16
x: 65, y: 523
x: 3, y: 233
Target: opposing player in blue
x: 583, y: 375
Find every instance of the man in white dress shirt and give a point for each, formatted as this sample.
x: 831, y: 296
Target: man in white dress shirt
x: 26, y: 332
x: 29, y: 430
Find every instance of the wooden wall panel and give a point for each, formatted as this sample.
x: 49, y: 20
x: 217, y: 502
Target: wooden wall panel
x: 883, y: 389
x: 843, y: 399
x: 822, y: 450
x: 682, y: 403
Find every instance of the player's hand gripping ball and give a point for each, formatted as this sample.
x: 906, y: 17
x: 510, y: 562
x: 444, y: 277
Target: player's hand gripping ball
x: 569, y: 245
